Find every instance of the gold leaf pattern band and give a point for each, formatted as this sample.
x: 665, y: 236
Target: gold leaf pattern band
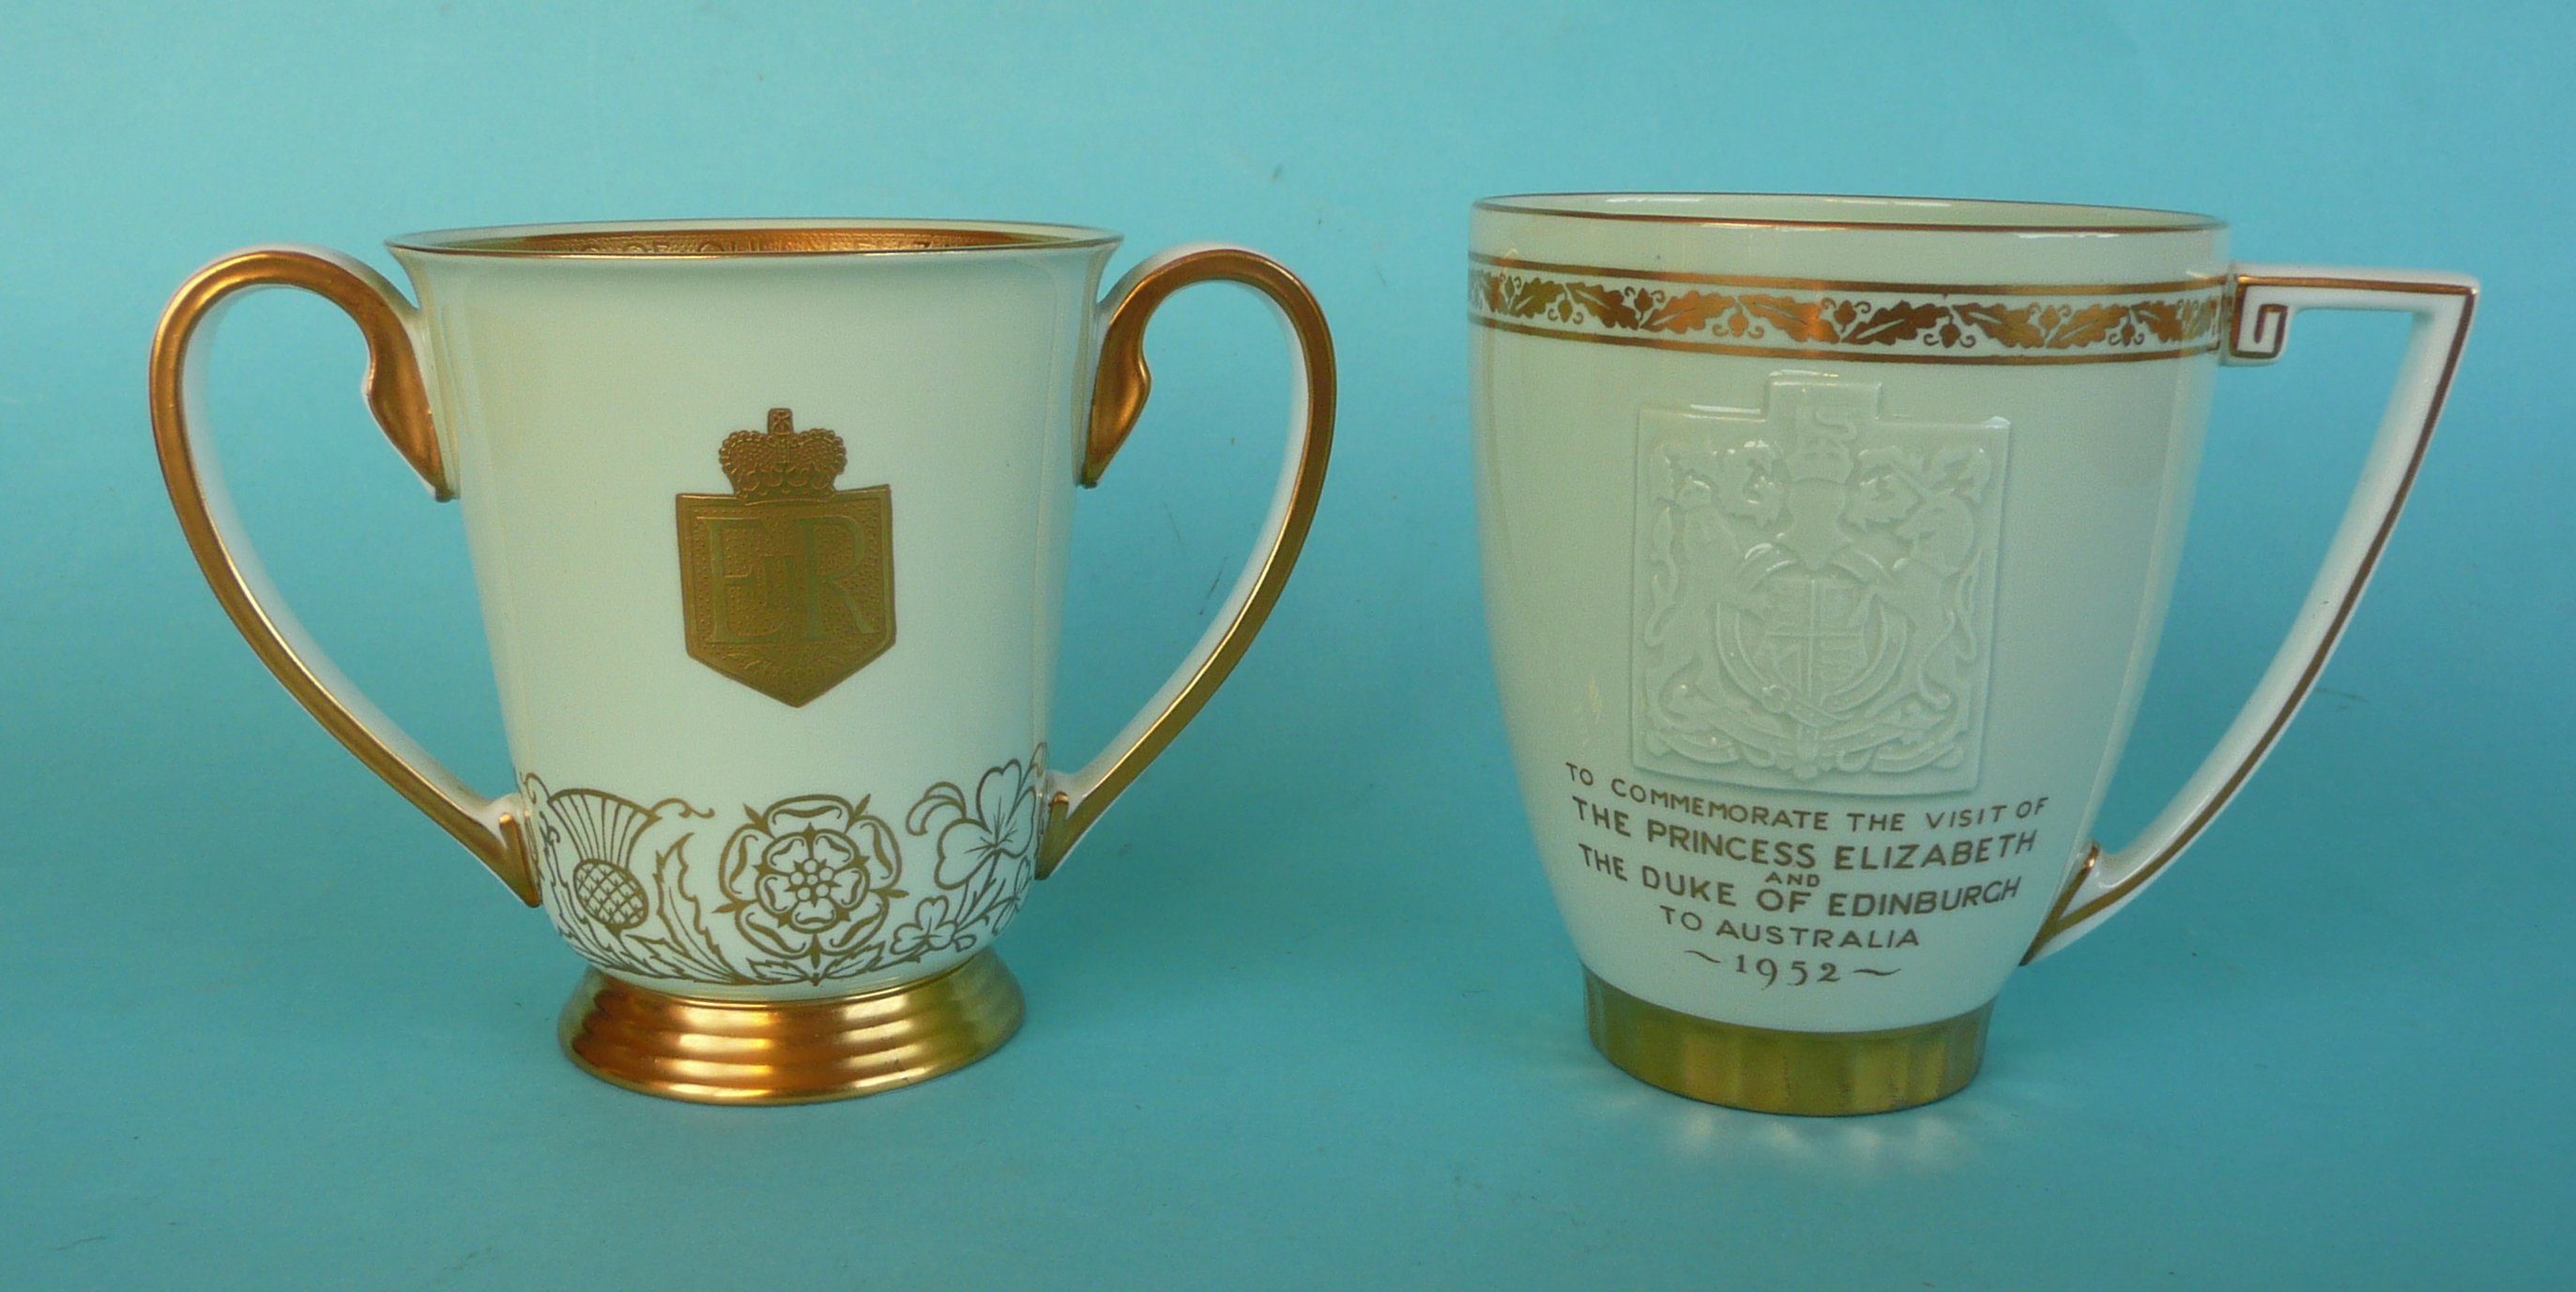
x: 1875, y: 322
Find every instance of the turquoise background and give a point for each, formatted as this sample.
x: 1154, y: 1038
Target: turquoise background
x: 1301, y: 1011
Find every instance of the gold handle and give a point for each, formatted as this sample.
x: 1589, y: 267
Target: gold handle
x: 1117, y: 397
x: 489, y: 828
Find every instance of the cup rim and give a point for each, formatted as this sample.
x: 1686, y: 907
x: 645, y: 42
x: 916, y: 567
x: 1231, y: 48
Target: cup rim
x: 1853, y: 211
x: 733, y: 239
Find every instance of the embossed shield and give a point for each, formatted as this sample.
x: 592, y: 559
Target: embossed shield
x: 1815, y: 592
x: 787, y: 585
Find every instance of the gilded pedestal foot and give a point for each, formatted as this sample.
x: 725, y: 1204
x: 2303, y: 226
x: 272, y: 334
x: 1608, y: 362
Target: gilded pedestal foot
x: 789, y: 1052
x: 1813, y: 1074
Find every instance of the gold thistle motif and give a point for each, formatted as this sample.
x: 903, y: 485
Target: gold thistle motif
x: 1857, y: 320
x: 807, y: 890
x: 786, y: 584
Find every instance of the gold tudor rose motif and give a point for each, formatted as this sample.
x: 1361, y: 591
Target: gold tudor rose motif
x: 1815, y: 592
x: 787, y: 585
x: 1897, y: 322
x: 806, y: 890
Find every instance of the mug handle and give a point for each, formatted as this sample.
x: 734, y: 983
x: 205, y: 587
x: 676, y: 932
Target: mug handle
x: 2263, y: 299
x: 490, y: 828
x: 1075, y: 800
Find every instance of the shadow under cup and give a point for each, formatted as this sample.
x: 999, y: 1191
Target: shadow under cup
x: 1826, y: 544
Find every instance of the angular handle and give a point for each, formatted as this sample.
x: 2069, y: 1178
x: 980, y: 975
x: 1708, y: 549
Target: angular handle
x: 489, y: 828
x: 2264, y: 299
x: 1075, y: 800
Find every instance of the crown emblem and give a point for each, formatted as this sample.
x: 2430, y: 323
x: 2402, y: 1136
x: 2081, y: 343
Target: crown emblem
x: 782, y: 462
x: 787, y: 583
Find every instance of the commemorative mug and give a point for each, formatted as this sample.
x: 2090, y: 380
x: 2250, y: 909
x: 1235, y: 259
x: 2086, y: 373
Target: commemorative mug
x: 768, y: 520
x: 1826, y: 546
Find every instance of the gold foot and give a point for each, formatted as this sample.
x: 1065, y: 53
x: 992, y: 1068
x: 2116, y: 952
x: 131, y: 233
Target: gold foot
x: 789, y: 1052
x: 1812, y: 1074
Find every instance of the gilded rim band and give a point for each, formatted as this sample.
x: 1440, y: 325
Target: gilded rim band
x: 2088, y: 219
x: 1869, y: 321
x: 737, y: 239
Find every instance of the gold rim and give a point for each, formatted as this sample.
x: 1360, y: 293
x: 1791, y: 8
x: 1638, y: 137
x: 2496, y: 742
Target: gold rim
x: 1805, y: 1074
x: 2208, y: 283
x: 732, y: 239
x: 789, y: 1051
x: 2102, y: 219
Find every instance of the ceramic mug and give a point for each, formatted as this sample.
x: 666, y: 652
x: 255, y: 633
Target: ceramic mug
x: 1826, y: 546
x: 768, y: 521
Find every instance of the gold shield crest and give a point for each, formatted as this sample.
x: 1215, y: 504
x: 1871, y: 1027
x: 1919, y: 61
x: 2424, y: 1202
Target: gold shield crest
x: 787, y: 584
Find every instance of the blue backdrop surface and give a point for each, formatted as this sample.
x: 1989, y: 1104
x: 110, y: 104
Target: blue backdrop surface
x: 1301, y: 1011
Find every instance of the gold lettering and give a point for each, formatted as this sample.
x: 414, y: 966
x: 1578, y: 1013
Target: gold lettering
x: 836, y: 581
x: 740, y: 598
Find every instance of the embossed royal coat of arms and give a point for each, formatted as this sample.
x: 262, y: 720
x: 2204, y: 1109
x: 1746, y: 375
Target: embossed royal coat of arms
x: 1815, y: 590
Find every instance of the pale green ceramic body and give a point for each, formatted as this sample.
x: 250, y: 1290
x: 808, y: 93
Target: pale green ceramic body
x: 2041, y: 592
x: 577, y: 398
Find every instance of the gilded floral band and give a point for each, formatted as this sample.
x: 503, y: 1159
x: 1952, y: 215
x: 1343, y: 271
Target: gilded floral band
x: 807, y: 890
x: 1878, y: 322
